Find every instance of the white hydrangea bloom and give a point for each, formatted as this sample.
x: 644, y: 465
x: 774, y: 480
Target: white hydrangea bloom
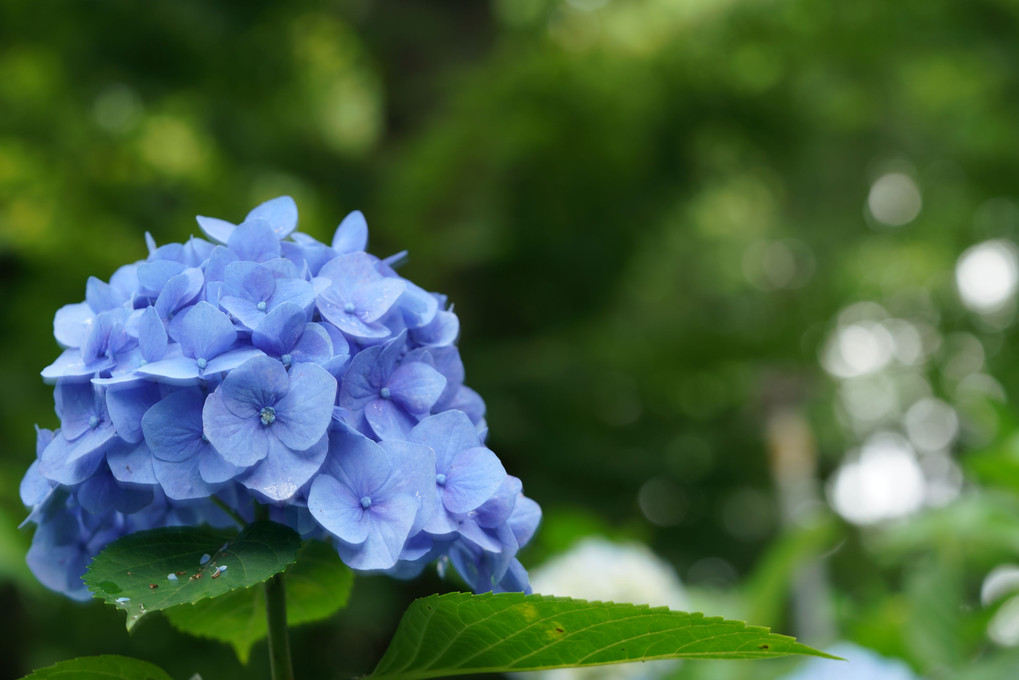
x: 598, y: 569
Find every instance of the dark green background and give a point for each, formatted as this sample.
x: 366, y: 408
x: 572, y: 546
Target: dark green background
x: 584, y: 185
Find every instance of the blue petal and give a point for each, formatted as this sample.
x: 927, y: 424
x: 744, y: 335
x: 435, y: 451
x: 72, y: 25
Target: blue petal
x: 249, y: 280
x: 255, y: 384
x: 525, y: 519
x: 173, y: 427
x: 214, y: 468
x: 278, y: 331
x: 357, y: 462
x: 127, y: 406
x: 241, y: 441
x: 71, y: 324
x: 474, y: 476
x: 254, y: 240
x: 416, y: 386
x: 372, y: 301
x: 102, y: 491
x: 75, y: 405
x: 228, y: 361
x: 71, y: 366
x: 182, y: 480
x: 34, y: 487
x: 388, y: 420
x: 315, y: 346
x: 245, y: 311
x: 62, y: 462
x: 131, y: 463
x: 152, y: 339
x: 389, y: 527
x: 413, y: 475
x: 283, y: 472
x: 447, y: 433
x: 216, y: 229
x: 441, y: 332
x: 219, y: 259
x: 153, y: 275
x: 177, y: 370
x: 338, y: 509
x: 352, y: 234
x: 417, y: 305
x: 280, y: 213
x: 303, y: 415
x: 178, y: 291
x: 101, y: 297
x: 206, y: 332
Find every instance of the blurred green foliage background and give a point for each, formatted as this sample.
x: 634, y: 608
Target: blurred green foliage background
x: 657, y: 220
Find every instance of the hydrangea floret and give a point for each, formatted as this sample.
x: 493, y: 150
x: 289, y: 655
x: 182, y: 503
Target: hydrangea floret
x: 258, y: 365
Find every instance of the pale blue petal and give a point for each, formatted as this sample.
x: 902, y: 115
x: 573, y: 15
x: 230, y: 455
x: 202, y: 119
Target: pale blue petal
x: 127, y: 406
x: 241, y: 441
x: 216, y: 229
x: 131, y: 463
x: 180, y: 371
x: 206, y: 332
x: 249, y: 280
x: 179, y: 291
x: 352, y: 234
x: 243, y: 310
x: 279, y: 330
x: 100, y: 296
x: 75, y: 405
x: 390, y: 522
x: 182, y: 480
x: 387, y: 420
x: 280, y: 213
x: 152, y: 338
x: 417, y: 305
x: 254, y: 240
x: 474, y: 476
x: 338, y: 510
x: 447, y: 433
x: 228, y: 361
x: 296, y: 291
x: 357, y: 462
x: 70, y: 366
x: 153, y: 275
x: 214, y: 468
x: 72, y: 323
x: 255, y: 384
x: 173, y: 427
x: 303, y: 415
x: 315, y: 346
x: 34, y: 487
x: 373, y: 300
x: 283, y: 472
x: 414, y: 476
x: 416, y: 386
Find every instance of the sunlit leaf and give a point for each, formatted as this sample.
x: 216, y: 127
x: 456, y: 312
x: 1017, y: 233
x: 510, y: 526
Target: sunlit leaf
x: 459, y: 633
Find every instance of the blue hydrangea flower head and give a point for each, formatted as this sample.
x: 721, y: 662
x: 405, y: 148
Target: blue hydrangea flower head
x: 259, y: 365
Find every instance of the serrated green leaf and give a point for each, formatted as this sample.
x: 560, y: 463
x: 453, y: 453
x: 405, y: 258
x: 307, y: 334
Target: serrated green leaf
x: 107, y: 667
x: 132, y: 573
x: 459, y: 633
x: 318, y: 585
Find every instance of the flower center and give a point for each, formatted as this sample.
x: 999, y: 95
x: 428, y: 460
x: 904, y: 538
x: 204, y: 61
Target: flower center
x: 202, y: 363
x: 268, y: 415
x: 440, y: 479
x: 349, y: 308
x: 93, y: 422
x: 384, y: 393
x: 366, y: 502
x: 287, y: 359
x: 261, y: 306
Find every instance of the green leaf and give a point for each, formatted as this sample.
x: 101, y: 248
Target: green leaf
x: 138, y: 566
x: 318, y: 585
x: 459, y: 633
x: 105, y: 667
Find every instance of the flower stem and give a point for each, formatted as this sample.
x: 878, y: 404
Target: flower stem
x: 279, y: 641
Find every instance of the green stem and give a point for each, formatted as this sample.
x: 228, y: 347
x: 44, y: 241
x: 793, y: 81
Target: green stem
x: 279, y: 642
